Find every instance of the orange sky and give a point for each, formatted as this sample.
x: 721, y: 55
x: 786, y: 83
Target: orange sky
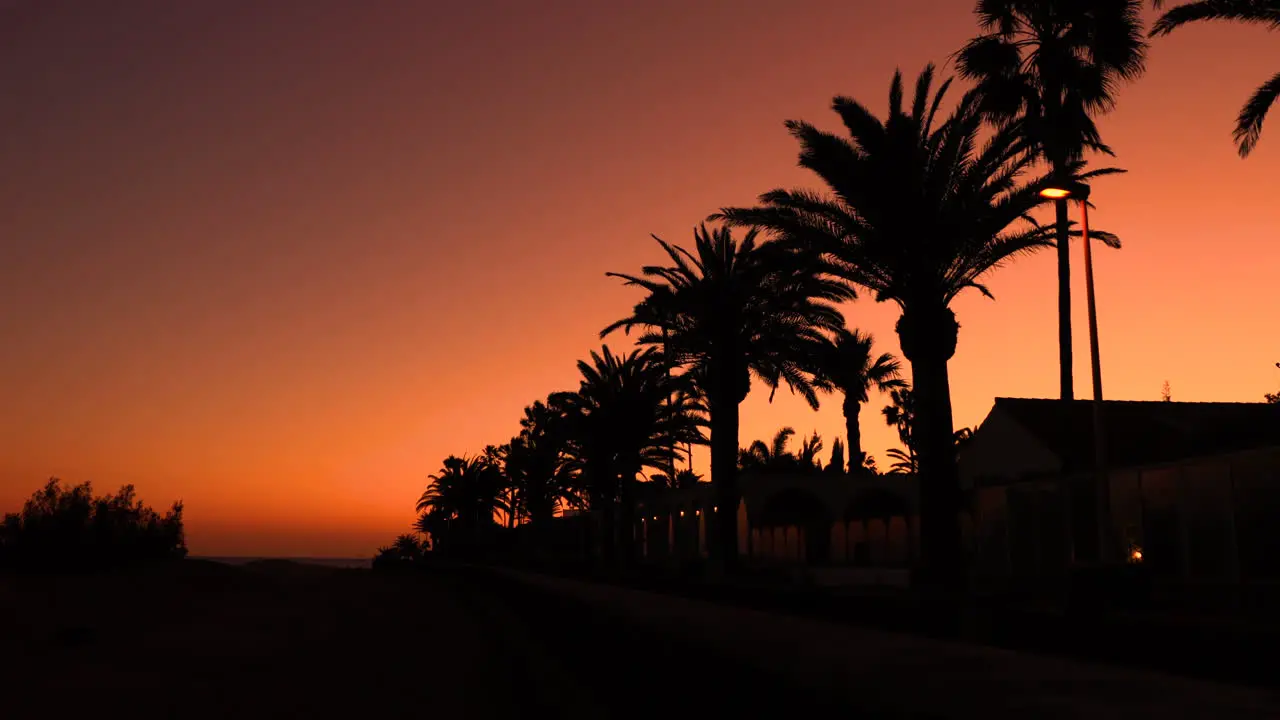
x: 278, y: 259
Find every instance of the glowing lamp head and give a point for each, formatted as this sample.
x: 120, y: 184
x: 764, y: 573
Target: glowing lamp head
x: 1064, y: 190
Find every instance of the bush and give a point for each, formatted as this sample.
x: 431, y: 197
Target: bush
x: 406, y: 552
x: 67, y: 528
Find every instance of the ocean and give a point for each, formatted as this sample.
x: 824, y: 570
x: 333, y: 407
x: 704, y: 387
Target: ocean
x: 358, y: 563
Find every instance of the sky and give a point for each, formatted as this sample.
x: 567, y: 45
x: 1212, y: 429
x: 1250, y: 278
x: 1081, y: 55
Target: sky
x: 277, y: 260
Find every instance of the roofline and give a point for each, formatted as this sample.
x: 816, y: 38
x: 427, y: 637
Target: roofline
x: 1230, y: 403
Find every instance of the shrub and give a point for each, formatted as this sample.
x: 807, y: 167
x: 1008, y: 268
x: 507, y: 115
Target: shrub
x: 67, y: 528
x: 404, y: 553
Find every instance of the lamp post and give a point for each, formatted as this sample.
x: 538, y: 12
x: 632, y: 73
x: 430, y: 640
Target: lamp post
x: 1074, y: 190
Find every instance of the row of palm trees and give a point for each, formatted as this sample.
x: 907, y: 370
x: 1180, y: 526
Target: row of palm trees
x: 634, y: 416
x: 915, y: 207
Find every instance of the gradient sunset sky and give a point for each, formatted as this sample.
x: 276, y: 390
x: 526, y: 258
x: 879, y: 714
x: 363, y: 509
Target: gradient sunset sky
x: 277, y: 259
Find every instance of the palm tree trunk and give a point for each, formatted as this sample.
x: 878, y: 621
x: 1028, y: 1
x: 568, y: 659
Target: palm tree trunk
x: 724, y: 476
x: 626, y: 525
x: 1063, y: 222
x: 853, y: 434
x: 941, y: 547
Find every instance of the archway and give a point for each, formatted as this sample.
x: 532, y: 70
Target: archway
x: 877, y: 528
x: 800, y: 509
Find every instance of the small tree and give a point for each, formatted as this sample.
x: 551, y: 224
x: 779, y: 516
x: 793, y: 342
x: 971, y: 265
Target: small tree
x: 404, y: 553
x: 1165, y: 393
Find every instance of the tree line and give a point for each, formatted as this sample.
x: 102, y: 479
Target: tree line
x: 912, y: 207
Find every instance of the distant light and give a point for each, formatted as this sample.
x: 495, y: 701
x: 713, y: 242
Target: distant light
x: 697, y: 512
x: 714, y: 508
x: 1135, y: 554
x: 1055, y: 193
x: 681, y: 513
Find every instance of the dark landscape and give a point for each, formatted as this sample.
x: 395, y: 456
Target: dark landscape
x: 639, y: 359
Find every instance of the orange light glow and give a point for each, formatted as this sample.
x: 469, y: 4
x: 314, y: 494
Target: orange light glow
x: 1055, y: 193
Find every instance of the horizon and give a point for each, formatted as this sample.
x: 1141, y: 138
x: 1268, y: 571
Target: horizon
x: 278, y: 261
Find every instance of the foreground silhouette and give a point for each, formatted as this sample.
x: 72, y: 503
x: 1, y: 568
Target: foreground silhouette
x: 276, y: 639
x: 68, y: 529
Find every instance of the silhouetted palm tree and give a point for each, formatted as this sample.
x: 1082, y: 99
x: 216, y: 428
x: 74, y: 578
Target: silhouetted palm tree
x: 403, y: 553
x: 776, y: 458
x: 1262, y: 12
x: 836, y: 463
x: 629, y: 414
x: 807, y: 459
x: 900, y: 414
x: 905, y: 462
x: 537, y: 463
x: 845, y: 363
x: 1052, y: 66
x: 465, y: 494
x: 727, y: 311
x: 773, y: 455
x: 917, y: 213
x: 496, y: 456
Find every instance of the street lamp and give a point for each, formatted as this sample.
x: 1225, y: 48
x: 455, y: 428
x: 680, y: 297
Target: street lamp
x: 1075, y: 190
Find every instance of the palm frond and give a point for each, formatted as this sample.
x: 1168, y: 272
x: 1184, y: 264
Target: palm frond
x: 1263, y: 12
x: 1249, y: 123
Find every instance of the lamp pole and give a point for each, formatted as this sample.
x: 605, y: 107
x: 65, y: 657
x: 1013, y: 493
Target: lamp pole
x: 1066, y: 189
x: 1103, y: 486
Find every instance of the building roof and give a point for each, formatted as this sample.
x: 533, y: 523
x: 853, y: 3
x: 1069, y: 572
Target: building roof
x: 1140, y: 433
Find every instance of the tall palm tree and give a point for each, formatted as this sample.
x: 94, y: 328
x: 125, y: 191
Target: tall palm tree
x: 1263, y: 12
x: 845, y: 363
x: 628, y: 414
x: 1052, y: 66
x: 917, y: 212
x: 730, y: 310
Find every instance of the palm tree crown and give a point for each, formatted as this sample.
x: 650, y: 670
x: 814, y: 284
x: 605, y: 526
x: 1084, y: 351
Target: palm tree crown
x: 466, y: 491
x: 747, y: 304
x: 1262, y: 12
x: 918, y: 210
x: 1054, y: 65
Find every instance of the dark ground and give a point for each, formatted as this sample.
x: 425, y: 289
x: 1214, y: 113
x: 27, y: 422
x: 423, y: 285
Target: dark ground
x: 280, y: 640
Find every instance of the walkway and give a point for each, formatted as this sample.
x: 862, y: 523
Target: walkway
x: 898, y: 675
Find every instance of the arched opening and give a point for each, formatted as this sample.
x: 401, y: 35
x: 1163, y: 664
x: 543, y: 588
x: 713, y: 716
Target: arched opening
x: 801, y: 521
x: 877, y: 529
